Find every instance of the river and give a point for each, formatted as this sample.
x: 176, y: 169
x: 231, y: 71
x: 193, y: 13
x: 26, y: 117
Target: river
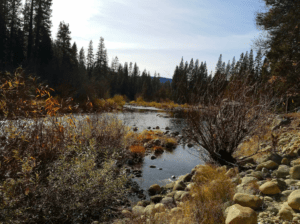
x: 178, y: 162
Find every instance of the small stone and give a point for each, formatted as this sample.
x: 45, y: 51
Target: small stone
x: 138, y: 210
x: 247, y: 200
x: 269, y: 165
x: 247, y: 180
x: 294, y: 200
x: 152, y: 166
x: 285, y: 161
x: 154, y: 189
x: 156, y: 198
x: 295, y: 162
x: 283, y: 171
x: 286, y: 212
x: 295, y: 172
x: 153, y: 157
x: 270, y: 188
x: 267, y: 198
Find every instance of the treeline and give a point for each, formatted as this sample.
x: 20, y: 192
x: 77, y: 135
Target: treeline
x: 191, y: 80
x: 25, y: 40
x: 277, y: 74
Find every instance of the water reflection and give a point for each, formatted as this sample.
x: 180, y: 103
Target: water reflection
x: 176, y: 162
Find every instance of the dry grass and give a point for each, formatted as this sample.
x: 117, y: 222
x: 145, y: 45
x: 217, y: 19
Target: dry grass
x: 57, y: 169
x: 133, y: 140
x: 162, y: 105
x: 211, y: 190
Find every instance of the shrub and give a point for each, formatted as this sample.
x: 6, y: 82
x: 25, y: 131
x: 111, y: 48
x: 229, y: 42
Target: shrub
x: 118, y: 99
x: 211, y: 190
x: 61, y: 170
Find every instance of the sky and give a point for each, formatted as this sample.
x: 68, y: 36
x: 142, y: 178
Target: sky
x: 156, y: 34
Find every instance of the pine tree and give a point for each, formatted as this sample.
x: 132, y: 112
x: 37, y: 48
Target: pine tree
x: 14, y: 24
x: 74, y: 54
x: 101, y: 61
x: 258, y: 64
x: 233, y: 71
x: 90, y: 59
x: 227, y: 71
x: 282, y: 23
x: 219, y: 65
x: 223, y: 68
x: 3, y: 33
x: 41, y: 20
x: 115, y: 64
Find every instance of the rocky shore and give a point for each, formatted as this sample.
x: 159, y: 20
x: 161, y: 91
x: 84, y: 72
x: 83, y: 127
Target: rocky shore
x: 268, y: 191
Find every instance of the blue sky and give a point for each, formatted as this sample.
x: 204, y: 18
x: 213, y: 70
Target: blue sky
x: 156, y: 34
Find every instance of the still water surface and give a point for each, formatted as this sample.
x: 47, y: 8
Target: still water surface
x: 178, y: 162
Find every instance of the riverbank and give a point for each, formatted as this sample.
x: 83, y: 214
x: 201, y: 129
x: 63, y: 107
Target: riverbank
x: 266, y: 192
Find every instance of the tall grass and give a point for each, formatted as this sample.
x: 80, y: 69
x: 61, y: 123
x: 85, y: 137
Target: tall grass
x: 61, y: 170
x: 163, y: 105
x: 57, y: 169
x: 211, y: 190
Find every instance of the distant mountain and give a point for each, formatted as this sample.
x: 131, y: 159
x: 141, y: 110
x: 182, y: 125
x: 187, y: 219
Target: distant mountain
x: 163, y: 80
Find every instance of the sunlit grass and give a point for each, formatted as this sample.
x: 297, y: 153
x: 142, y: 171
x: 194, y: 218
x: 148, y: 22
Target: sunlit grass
x: 163, y: 105
x: 211, y: 189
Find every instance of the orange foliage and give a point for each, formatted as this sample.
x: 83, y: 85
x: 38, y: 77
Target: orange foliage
x: 137, y: 149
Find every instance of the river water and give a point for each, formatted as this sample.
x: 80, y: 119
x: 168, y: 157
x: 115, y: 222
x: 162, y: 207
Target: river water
x: 178, y: 162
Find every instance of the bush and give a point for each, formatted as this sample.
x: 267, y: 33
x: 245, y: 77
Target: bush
x: 211, y: 190
x: 60, y: 170
x: 224, y: 123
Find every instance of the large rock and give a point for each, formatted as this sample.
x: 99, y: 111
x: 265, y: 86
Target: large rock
x: 270, y: 187
x: 178, y: 195
x: 150, y: 210
x: 295, y: 162
x: 156, y: 198
x: 160, y: 207
x: 250, y: 188
x: 238, y: 214
x: 185, y: 178
x: 272, y: 156
x: 295, y: 172
x: 270, y: 165
x: 283, y: 171
x: 248, y: 200
x: 247, y: 180
x: 257, y: 174
x: 232, y: 172
x: 168, y: 202
x: 179, y: 185
x: 154, y: 189
x: 294, y: 200
x: 138, y: 210
x: 286, y: 212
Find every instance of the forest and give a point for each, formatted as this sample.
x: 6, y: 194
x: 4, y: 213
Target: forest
x: 60, y: 167
x: 26, y: 41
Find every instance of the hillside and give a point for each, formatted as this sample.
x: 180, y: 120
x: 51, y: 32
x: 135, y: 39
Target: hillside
x: 163, y: 80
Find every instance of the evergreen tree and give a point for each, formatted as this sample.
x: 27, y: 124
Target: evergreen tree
x: 74, y: 54
x: 101, y: 61
x: 90, y: 59
x: 233, y: 71
x: 258, y: 65
x: 227, y: 71
x: 219, y: 65
x: 281, y: 21
x: 41, y: 21
x: 14, y: 11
